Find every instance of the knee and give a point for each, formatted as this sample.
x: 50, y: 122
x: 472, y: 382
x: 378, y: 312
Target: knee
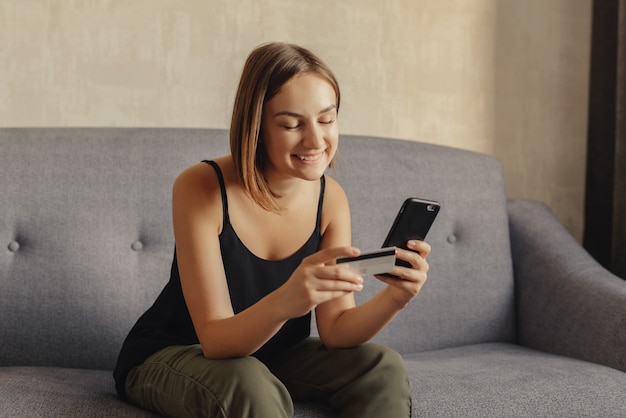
x: 380, y: 387
x: 249, y: 375
x: 255, y: 391
x: 384, y: 369
x: 382, y: 358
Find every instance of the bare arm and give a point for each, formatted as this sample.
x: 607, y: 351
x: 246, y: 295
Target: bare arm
x: 357, y: 325
x: 197, y: 214
x: 343, y: 324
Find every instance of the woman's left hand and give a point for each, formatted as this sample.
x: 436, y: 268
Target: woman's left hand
x: 409, y: 280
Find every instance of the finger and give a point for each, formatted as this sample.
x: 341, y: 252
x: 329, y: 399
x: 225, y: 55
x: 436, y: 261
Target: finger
x: 398, y: 274
x: 416, y: 260
x: 408, y: 274
x: 390, y: 280
x: 339, y: 273
x: 402, y: 276
x: 339, y: 286
x: 328, y: 255
x: 422, y: 247
x: 335, y: 278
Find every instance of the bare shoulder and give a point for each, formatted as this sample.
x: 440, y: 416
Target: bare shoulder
x: 333, y: 190
x: 201, y: 179
x: 198, y: 182
x: 196, y: 191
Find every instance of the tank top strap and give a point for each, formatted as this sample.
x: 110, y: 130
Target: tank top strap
x: 320, y: 203
x: 220, y: 178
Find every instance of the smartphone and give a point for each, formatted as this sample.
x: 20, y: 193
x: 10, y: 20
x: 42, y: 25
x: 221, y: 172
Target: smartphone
x: 413, y: 221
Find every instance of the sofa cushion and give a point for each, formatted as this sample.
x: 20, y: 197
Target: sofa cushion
x: 62, y: 392
x: 509, y: 380
x: 474, y: 381
x: 59, y: 392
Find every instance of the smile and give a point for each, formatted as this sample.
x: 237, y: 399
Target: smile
x: 315, y: 157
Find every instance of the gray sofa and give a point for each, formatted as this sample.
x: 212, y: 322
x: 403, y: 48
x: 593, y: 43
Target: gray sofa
x: 515, y: 320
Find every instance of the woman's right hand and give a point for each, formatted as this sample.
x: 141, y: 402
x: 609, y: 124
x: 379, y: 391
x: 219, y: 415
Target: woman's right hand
x: 317, y: 280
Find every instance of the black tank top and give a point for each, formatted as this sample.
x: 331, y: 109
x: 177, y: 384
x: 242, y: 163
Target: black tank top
x: 249, y: 279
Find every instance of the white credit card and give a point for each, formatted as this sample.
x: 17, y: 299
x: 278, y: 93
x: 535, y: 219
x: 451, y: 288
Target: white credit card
x: 371, y: 262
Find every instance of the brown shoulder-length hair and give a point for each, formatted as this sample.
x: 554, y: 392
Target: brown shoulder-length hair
x: 266, y: 70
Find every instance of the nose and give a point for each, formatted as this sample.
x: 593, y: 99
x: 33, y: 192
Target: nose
x: 313, y: 137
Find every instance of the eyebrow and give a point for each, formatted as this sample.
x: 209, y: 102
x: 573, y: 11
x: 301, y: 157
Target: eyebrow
x: 297, y: 115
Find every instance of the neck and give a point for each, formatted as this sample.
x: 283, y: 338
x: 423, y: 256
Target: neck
x: 289, y: 191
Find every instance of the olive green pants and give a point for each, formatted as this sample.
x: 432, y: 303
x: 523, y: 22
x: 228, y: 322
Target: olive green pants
x: 365, y: 381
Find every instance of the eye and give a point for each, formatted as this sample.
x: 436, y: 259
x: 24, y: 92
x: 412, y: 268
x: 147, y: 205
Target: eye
x: 327, y: 121
x: 289, y: 123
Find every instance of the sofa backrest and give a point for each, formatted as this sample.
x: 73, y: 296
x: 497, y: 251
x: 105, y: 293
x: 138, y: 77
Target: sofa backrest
x: 468, y: 298
x: 85, y: 224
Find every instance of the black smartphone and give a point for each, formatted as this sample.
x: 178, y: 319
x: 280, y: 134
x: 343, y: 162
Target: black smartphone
x: 413, y: 221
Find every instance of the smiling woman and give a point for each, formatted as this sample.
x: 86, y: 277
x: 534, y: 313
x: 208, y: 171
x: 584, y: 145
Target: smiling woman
x: 257, y: 235
x: 299, y: 130
x: 278, y: 66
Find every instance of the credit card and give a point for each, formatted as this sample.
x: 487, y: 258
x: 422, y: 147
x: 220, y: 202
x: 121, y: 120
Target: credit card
x: 371, y: 262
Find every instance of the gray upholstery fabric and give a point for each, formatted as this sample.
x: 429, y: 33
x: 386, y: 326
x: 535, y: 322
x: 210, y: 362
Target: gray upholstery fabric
x: 86, y: 245
x: 567, y: 303
x: 470, y: 237
x: 61, y: 392
x: 505, y: 380
x: 76, y: 202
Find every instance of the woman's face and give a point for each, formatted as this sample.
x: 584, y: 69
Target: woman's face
x: 299, y: 128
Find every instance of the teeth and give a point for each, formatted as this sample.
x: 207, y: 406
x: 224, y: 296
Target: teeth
x: 309, y: 157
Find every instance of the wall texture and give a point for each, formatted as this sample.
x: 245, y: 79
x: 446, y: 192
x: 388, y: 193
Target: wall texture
x: 503, y: 77
x: 541, y: 96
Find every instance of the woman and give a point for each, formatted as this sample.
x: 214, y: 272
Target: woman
x: 257, y: 233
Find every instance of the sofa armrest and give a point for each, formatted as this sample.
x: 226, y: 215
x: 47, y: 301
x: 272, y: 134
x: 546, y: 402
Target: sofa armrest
x: 567, y: 303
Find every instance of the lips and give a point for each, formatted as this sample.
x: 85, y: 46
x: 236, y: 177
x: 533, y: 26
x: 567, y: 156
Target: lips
x: 313, y: 157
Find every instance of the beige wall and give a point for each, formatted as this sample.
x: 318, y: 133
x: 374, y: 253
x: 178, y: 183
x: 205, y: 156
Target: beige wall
x: 542, y: 80
x: 503, y: 77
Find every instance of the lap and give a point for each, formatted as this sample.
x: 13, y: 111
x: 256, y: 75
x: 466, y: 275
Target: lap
x: 361, y: 381
x: 312, y: 372
x: 180, y: 381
